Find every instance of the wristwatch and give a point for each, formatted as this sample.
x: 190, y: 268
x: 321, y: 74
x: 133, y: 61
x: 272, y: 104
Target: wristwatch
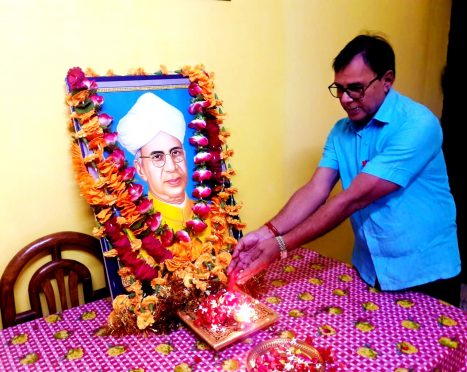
x: 282, y: 246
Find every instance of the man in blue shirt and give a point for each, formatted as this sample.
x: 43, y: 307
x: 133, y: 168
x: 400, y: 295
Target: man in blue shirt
x: 387, y: 154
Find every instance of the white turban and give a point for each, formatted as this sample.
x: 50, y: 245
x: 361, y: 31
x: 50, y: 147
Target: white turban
x: 149, y: 116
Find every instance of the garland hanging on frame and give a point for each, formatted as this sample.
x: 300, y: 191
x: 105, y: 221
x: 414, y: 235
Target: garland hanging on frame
x: 161, y: 270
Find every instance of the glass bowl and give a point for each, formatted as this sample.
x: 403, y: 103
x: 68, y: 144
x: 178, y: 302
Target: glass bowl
x: 303, y: 352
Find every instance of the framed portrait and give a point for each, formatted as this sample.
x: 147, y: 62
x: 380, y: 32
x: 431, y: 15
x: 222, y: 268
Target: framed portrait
x: 151, y: 158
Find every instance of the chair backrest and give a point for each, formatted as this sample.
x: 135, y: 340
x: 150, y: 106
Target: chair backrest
x: 65, y: 275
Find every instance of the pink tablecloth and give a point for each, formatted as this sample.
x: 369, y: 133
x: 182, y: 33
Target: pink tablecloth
x: 319, y: 300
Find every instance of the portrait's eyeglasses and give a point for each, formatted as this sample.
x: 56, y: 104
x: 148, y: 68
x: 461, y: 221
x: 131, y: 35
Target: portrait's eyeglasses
x: 354, y: 91
x: 158, y: 158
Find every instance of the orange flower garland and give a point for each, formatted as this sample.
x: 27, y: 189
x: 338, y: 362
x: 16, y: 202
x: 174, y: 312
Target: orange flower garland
x: 161, y: 270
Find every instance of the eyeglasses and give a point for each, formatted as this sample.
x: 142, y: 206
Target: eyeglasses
x: 354, y: 91
x: 158, y: 158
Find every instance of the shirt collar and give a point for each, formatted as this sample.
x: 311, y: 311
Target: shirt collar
x: 384, y: 113
x: 172, y: 211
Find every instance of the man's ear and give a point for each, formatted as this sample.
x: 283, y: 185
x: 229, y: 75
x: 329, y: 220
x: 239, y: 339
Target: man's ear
x: 139, y: 169
x: 388, y: 80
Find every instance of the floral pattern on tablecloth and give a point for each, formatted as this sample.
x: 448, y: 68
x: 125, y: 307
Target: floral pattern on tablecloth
x: 320, y: 300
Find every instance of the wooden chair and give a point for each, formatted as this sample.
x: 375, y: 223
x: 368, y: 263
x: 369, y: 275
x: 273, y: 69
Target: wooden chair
x: 66, y: 273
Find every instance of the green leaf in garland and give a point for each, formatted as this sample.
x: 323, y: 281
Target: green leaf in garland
x: 85, y: 107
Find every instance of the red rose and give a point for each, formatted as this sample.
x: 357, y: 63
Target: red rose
x: 75, y: 78
x: 154, y: 247
x: 212, y: 130
x: 145, y: 272
x: 167, y: 237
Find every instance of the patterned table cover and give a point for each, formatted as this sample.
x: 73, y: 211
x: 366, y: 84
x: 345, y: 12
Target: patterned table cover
x: 319, y: 300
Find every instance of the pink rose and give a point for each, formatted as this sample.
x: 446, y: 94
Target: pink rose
x: 201, y: 192
x: 97, y: 100
x: 182, y: 236
x: 144, y: 206
x: 154, y: 221
x: 201, y: 209
x: 110, y: 138
x: 135, y: 190
x: 198, y: 140
x: 196, y: 225
x: 194, y: 89
x: 201, y: 175
x: 128, y: 173
x: 202, y: 157
x: 197, y: 107
x: 117, y: 157
x: 198, y: 124
x: 90, y: 84
x: 105, y: 120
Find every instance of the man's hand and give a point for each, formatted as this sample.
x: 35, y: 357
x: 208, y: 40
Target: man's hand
x: 252, y: 255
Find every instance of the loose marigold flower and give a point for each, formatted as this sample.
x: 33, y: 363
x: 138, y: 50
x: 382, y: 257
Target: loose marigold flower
x: 111, y: 253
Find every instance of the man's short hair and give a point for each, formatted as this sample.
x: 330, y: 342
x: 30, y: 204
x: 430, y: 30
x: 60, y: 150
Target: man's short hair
x: 375, y: 50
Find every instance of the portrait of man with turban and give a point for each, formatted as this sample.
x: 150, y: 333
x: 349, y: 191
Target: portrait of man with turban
x: 153, y: 131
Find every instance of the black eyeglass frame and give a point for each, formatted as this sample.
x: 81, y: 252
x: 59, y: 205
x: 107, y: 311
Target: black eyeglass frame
x: 354, y: 94
x: 182, y: 156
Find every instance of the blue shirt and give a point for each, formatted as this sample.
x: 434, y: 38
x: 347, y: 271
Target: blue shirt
x: 408, y: 237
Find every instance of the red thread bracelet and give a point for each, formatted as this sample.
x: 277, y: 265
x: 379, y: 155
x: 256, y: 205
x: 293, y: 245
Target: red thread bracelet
x: 272, y: 228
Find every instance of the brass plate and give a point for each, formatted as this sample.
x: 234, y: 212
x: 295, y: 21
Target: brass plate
x: 221, y: 338
x: 266, y: 346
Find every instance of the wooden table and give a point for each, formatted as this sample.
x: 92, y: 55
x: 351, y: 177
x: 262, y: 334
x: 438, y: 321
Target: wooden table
x: 320, y: 300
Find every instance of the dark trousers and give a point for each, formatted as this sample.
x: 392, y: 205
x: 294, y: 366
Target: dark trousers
x: 448, y: 290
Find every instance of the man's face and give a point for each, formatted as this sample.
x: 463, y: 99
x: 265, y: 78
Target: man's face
x: 358, y: 74
x: 168, y: 182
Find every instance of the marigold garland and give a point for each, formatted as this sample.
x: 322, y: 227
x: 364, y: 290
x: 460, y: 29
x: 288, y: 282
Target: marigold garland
x: 161, y: 270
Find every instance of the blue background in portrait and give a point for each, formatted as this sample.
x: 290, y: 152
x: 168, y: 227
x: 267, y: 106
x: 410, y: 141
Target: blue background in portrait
x: 117, y: 104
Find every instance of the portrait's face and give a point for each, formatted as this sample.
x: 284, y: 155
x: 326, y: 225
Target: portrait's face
x: 357, y: 75
x: 162, y: 164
